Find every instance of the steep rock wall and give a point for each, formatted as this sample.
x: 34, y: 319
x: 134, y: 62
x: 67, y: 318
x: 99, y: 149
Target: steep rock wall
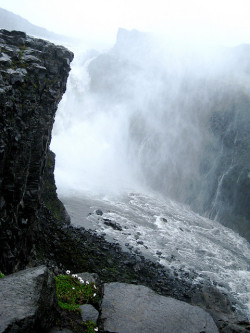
x: 33, y: 75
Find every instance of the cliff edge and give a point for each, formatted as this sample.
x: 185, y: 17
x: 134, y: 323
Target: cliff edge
x: 33, y: 76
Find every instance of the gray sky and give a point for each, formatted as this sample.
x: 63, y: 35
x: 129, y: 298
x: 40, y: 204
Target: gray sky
x: 224, y: 22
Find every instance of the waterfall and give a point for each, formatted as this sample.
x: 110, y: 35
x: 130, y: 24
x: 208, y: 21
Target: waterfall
x: 146, y: 115
x: 148, y: 133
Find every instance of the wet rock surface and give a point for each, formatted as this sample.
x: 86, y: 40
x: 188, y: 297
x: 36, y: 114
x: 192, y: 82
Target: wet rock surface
x: 28, y: 301
x: 33, y: 75
x: 129, y: 308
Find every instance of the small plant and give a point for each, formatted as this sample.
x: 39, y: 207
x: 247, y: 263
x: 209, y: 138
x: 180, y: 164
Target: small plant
x: 1, y: 275
x: 72, y: 291
x: 91, y: 327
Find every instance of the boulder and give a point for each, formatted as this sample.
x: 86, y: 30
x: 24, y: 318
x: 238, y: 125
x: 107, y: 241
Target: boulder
x: 28, y: 301
x: 88, y: 312
x: 130, y: 308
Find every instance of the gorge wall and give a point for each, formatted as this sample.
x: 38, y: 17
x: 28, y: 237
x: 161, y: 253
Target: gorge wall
x: 33, y: 75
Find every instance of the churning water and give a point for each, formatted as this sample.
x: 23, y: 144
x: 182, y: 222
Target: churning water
x: 130, y: 135
x: 169, y: 232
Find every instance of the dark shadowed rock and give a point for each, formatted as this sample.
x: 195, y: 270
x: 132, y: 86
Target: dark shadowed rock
x: 59, y: 330
x: 28, y: 301
x: 135, y: 309
x: 112, y: 224
x: 99, y: 212
x: 33, y: 75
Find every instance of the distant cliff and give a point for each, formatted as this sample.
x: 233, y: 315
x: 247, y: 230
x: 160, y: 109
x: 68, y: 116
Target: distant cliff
x: 33, y: 75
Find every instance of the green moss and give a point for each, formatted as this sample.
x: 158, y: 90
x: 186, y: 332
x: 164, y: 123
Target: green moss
x: 1, y: 275
x: 71, y: 292
x: 89, y: 327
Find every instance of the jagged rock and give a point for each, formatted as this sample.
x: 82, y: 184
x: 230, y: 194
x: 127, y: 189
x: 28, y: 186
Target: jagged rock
x: 112, y: 224
x: 28, y: 301
x: 33, y: 75
x: 130, y: 308
x: 99, y: 212
x: 88, y: 312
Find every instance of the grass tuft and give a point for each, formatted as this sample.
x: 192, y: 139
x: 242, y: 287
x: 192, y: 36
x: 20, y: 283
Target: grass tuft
x: 71, y: 292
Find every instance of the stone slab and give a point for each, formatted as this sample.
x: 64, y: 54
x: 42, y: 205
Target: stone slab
x: 130, y: 308
x: 27, y: 301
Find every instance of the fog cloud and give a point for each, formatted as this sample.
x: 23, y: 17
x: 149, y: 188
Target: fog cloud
x: 214, y: 21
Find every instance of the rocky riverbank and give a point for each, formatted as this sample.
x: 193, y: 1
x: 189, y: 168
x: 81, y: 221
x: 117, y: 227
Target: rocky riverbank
x: 30, y: 305
x: 82, y: 250
x: 35, y: 227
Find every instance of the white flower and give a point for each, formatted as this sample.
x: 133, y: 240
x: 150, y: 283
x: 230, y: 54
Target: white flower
x: 94, y: 286
x: 94, y: 295
x: 96, y: 329
x: 74, y: 275
x: 87, y: 282
x: 73, y: 287
x: 67, y: 272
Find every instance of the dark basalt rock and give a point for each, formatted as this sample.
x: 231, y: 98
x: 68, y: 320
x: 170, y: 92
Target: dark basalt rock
x: 28, y: 301
x: 112, y: 224
x: 33, y: 75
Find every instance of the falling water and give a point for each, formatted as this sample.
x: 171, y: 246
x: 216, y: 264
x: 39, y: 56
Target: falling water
x: 144, y: 126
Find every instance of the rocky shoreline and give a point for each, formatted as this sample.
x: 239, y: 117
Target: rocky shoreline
x: 82, y: 250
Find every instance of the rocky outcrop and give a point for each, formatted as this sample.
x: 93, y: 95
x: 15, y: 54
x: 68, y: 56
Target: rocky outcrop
x: 28, y: 301
x: 130, y: 308
x: 33, y: 75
